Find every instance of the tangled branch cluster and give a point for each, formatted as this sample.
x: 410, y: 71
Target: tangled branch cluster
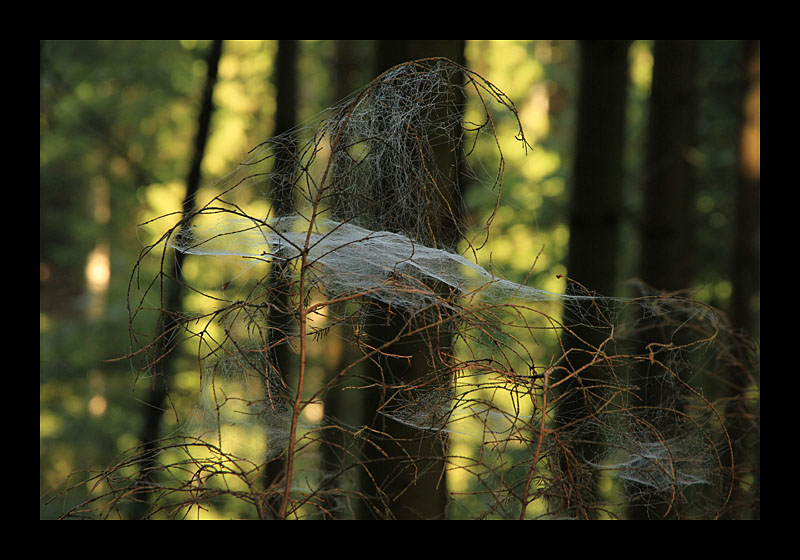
x: 511, y: 401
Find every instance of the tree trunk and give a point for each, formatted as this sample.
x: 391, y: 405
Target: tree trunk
x: 595, y: 213
x: 746, y: 269
x: 746, y: 499
x: 409, y: 475
x: 666, y: 227
x: 281, y: 316
x: 172, y: 299
x: 666, y: 233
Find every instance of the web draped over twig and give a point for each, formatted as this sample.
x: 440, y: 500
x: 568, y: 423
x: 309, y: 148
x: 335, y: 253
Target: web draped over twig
x: 373, y: 235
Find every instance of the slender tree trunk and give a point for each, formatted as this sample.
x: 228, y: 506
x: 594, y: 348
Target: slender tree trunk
x: 281, y: 316
x: 595, y: 213
x: 746, y: 499
x: 172, y: 299
x: 596, y: 201
x: 745, y: 274
x: 666, y: 228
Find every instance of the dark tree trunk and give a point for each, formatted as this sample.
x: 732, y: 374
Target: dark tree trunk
x: 281, y: 316
x: 746, y: 268
x: 666, y: 232
x: 409, y: 479
x: 746, y: 499
x: 666, y: 227
x: 173, y: 296
x: 595, y: 213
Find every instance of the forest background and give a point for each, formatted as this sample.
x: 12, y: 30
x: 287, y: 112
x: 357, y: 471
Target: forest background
x: 673, y: 174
